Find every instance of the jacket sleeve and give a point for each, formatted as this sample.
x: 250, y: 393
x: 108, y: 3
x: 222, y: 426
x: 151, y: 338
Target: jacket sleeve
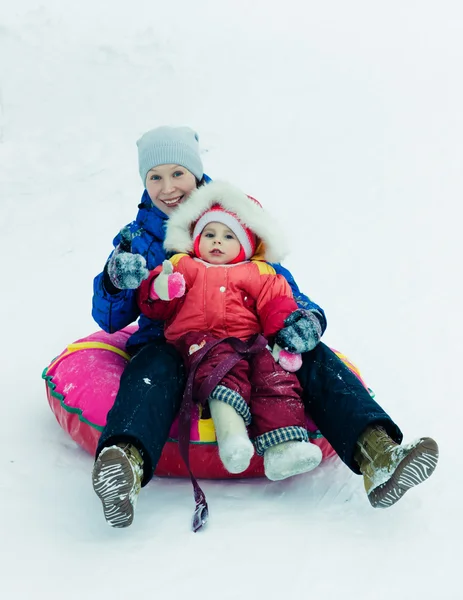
x: 162, y: 310
x: 274, y: 304
x: 301, y: 299
x: 113, y: 312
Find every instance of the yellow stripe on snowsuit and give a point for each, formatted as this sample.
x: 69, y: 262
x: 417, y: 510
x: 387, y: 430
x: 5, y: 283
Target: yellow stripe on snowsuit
x: 264, y: 267
x: 176, y: 258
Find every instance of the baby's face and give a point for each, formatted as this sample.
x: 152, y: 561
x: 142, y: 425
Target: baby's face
x: 168, y: 186
x: 218, y: 245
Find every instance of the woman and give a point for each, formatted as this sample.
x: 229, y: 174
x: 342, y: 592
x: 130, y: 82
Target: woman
x: 151, y: 387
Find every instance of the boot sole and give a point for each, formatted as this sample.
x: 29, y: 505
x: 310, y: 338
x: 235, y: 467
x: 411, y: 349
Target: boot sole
x: 415, y: 468
x: 113, y: 482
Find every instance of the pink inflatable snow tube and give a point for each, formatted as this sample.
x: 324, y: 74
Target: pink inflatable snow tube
x: 82, y: 384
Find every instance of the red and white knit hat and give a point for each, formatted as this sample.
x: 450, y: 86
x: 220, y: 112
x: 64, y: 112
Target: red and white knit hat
x: 221, y: 202
x: 217, y: 214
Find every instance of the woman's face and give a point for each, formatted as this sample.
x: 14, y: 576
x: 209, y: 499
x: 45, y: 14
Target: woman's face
x: 168, y: 186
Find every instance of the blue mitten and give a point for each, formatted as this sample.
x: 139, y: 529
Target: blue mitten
x: 301, y: 333
x: 126, y: 270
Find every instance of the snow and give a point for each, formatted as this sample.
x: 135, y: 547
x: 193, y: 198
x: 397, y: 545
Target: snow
x: 345, y: 120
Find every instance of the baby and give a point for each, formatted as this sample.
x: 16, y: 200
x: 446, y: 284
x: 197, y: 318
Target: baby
x: 221, y: 286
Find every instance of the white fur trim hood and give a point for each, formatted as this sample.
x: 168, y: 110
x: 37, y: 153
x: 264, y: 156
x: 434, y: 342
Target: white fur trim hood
x: 178, y: 230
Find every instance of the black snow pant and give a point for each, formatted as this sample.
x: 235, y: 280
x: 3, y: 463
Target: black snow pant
x: 151, y: 391
x: 339, y: 404
x: 148, y: 400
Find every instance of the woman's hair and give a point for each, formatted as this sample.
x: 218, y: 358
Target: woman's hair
x: 200, y: 183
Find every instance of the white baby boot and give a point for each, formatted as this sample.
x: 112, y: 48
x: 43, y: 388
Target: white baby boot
x: 290, y: 458
x: 235, y: 447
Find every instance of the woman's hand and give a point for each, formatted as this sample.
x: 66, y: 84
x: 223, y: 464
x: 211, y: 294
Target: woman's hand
x: 126, y: 270
x: 167, y: 285
x: 301, y: 333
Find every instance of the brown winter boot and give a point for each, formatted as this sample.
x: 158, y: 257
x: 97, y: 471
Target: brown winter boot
x: 117, y: 476
x: 389, y: 470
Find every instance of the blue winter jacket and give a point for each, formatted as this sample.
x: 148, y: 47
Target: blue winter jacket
x: 113, y: 312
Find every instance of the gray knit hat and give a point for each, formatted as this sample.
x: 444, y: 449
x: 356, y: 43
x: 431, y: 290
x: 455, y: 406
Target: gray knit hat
x: 169, y: 145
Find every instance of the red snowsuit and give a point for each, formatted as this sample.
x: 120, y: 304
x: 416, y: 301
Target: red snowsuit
x: 233, y: 301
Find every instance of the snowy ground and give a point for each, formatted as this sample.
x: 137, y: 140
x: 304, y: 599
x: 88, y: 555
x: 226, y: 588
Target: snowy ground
x: 345, y: 119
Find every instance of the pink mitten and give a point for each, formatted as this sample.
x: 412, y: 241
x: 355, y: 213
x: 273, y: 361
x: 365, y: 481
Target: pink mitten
x: 288, y: 360
x: 167, y: 285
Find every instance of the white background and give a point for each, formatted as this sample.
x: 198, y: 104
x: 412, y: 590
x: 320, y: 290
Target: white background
x: 345, y: 120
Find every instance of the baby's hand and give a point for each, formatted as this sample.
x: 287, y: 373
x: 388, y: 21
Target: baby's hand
x: 289, y: 361
x: 167, y: 285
